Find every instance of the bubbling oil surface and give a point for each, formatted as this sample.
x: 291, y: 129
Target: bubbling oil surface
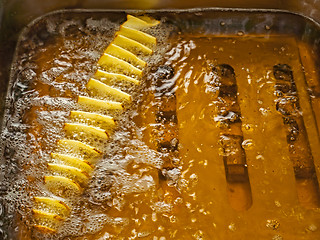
x: 194, y: 199
x: 207, y: 195
x: 52, y: 72
x: 140, y: 190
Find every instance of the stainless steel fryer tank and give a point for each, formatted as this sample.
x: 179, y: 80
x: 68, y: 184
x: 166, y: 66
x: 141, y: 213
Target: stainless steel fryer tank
x: 294, y: 18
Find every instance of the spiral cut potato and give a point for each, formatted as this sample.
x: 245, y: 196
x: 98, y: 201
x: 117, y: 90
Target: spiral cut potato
x: 71, y: 171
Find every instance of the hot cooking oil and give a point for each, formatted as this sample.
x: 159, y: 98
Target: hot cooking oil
x: 239, y: 162
x: 220, y: 142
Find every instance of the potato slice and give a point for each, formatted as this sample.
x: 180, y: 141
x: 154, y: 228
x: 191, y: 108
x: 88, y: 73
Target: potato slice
x: 151, y: 21
x: 43, y: 216
x: 99, y: 104
x: 46, y: 222
x: 79, y: 149
x: 138, y: 22
x: 44, y: 229
x: 114, y: 64
x: 125, y: 55
x: 73, y: 173
x: 52, y: 205
x: 109, y: 77
x: 104, y: 90
x: 84, y: 130
x: 131, y: 45
x: 103, y: 121
x: 78, y: 163
x: 62, y: 186
x: 138, y: 36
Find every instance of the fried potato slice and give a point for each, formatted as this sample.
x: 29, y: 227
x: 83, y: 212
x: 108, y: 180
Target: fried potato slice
x: 97, y: 104
x: 125, y: 55
x: 79, y: 149
x: 138, y: 36
x: 140, y: 22
x: 103, y: 90
x: 149, y: 20
x: 107, y: 77
x: 43, y: 215
x: 46, y: 222
x: 72, y: 173
x: 114, y: 64
x: 44, y: 229
x: 71, y: 161
x: 99, y: 120
x: 83, y: 130
x: 62, y: 186
x: 131, y: 45
x: 52, y: 205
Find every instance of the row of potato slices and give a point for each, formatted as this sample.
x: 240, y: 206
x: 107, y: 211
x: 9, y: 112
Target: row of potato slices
x: 73, y: 162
